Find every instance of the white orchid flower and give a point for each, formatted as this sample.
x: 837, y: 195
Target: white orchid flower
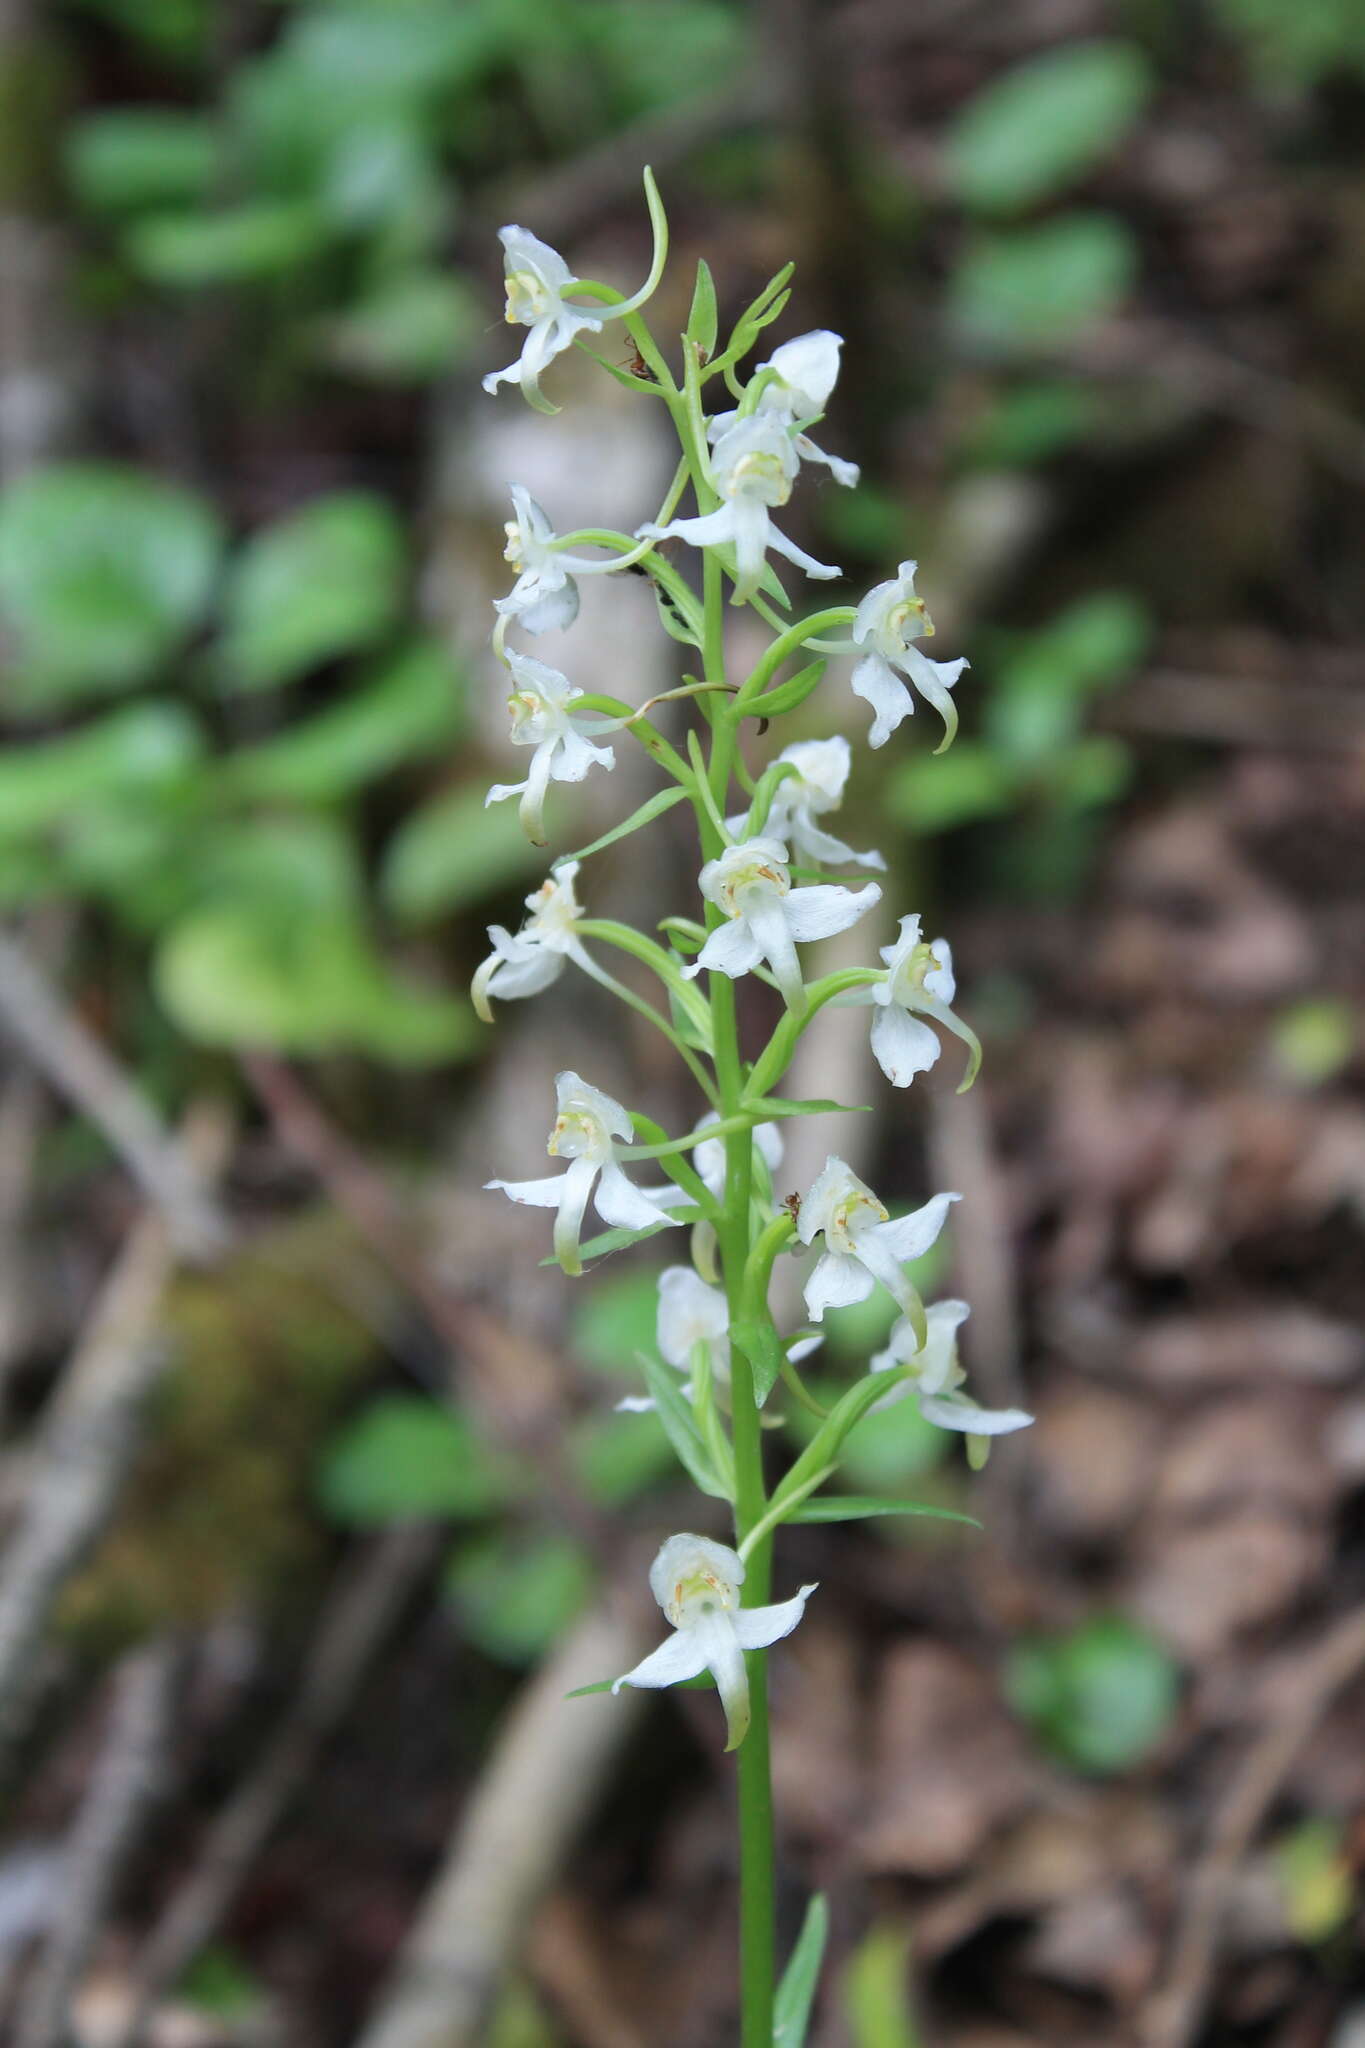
x: 863, y: 1247
x: 804, y: 373
x: 889, y: 620
x: 709, y: 1156
x: 918, y: 983
x: 937, y: 1375
x: 537, y: 280
x: 767, y: 917
x: 524, y: 964
x: 697, y: 1582
x: 541, y: 718
x: 817, y: 787
x: 752, y: 468
x: 587, y: 1123
x: 690, y: 1314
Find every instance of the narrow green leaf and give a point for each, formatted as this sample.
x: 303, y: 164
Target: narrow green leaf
x: 618, y: 1240
x: 762, y: 1346
x: 791, y: 2012
x: 823, y: 1448
x: 680, y: 1427
x: 858, y: 1507
x: 769, y: 1107
x: 702, y: 319
x: 653, y: 807
x: 787, y: 696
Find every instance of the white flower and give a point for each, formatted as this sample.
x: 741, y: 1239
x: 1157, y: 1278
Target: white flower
x: 806, y: 370
x: 541, y: 718
x: 709, y: 1156
x: 587, y: 1122
x: 889, y: 619
x: 862, y: 1244
x: 545, y: 595
x: 537, y: 280
x: 768, y: 918
x: 752, y: 468
x: 692, y: 1314
x: 697, y: 1582
x: 918, y: 979
x: 816, y: 787
x: 937, y: 1374
x: 527, y: 963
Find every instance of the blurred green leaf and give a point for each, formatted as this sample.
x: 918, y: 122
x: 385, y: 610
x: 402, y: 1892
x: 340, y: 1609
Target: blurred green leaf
x: 610, y: 1322
x: 103, y: 572
x: 454, y: 852
x: 130, y: 752
x: 405, y: 1458
x: 1031, y: 422
x: 1032, y: 286
x: 1093, y: 772
x: 170, y: 29
x: 231, y: 975
x: 1314, y: 1865
x: 877, y: 1990
x: 416, y: 324
x: 1045, y: 123
x: 616, y: 1458
x: 1312, y: 1041
x: 647, y: 58
x: 1099, y: 1697
x: 409, y: 706
x: 935, y: 793
x: 133, y: 157
x: 864, y: 1507
x: 218, y: 1982
x: 186, y: 252
x: 516, y: 1592
x: 1043, y: 682
x: 796, y: 1992
x: 324, y: 581
x: 1302, y: 44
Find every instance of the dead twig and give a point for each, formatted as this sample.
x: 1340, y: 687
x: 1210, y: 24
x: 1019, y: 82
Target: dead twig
x: 1175, y: 2011
x: 63, y: 1049
x: 89, y: 1435
x: 539, y: 1784
x: 354, y: 1624
x: 125, y: 1784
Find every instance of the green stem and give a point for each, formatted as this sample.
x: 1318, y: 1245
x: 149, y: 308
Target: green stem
x: 756, y: 1848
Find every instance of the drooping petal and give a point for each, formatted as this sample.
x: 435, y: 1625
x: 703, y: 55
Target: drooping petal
x: 718, y: 1641
x: 683, y: 1656
x: 837, y: 1281
x: 877, y: 683
x: 531, y: 809
x: 709, y: 530
x: 752, y: 532
x: 901, y: 1045
x: 533, y: 969
x: 845, y: 473
x: 731, y: 949
x: 934, y: 680
x: 756, y: 1627
x: 936, y: 1363
x: 822, y: 909
x: 809, y: 839
x: 577, y: 755
x: 575, y: 1188
x: 765, y: 914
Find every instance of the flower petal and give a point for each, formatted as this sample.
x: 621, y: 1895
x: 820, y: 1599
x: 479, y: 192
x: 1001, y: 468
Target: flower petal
x: 756, y: 1627
x: 837, y: 1281
x: 909, y: 1237
x: 621, y: 1204
x: 536, y: 1194
x: 877, y: 683
x: 951, y: 1414
x: 820, y: 910
x: 731, y: 949
x: 681, y: 1657
x: 781, y: 545
x: 902, y: 1045
x: 575, y: 1188
x: 718, y: 1641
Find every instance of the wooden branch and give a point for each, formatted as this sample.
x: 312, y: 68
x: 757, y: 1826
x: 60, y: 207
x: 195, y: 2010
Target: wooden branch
x: 358, y: 1615
x: 542, y: 1780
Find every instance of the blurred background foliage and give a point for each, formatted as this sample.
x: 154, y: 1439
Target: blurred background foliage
x: 1098, y: 266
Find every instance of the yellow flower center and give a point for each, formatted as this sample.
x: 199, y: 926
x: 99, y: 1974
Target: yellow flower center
x: 528, y: 300
x: 910, y: 620
x: 758, y: 873
x: 512, y: 552
x: 575, y: 1133
x: 839, y: 1231
x: 760, y: 475
x: 701, y: 1592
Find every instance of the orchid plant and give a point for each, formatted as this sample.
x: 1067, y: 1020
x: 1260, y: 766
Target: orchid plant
x: 763, y: 897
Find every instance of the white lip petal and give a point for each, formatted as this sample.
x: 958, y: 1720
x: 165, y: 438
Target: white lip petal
x: 757, y: 1627
x: 622, y: 1205
x: 909, y: 1237
x: 731, y: 949
x: 535, y: 1194
x: 837, y: 1282
x: 902, y: 1045
x: 950, y: 1414
x: 680, y: 1658
x: 877, y: 683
